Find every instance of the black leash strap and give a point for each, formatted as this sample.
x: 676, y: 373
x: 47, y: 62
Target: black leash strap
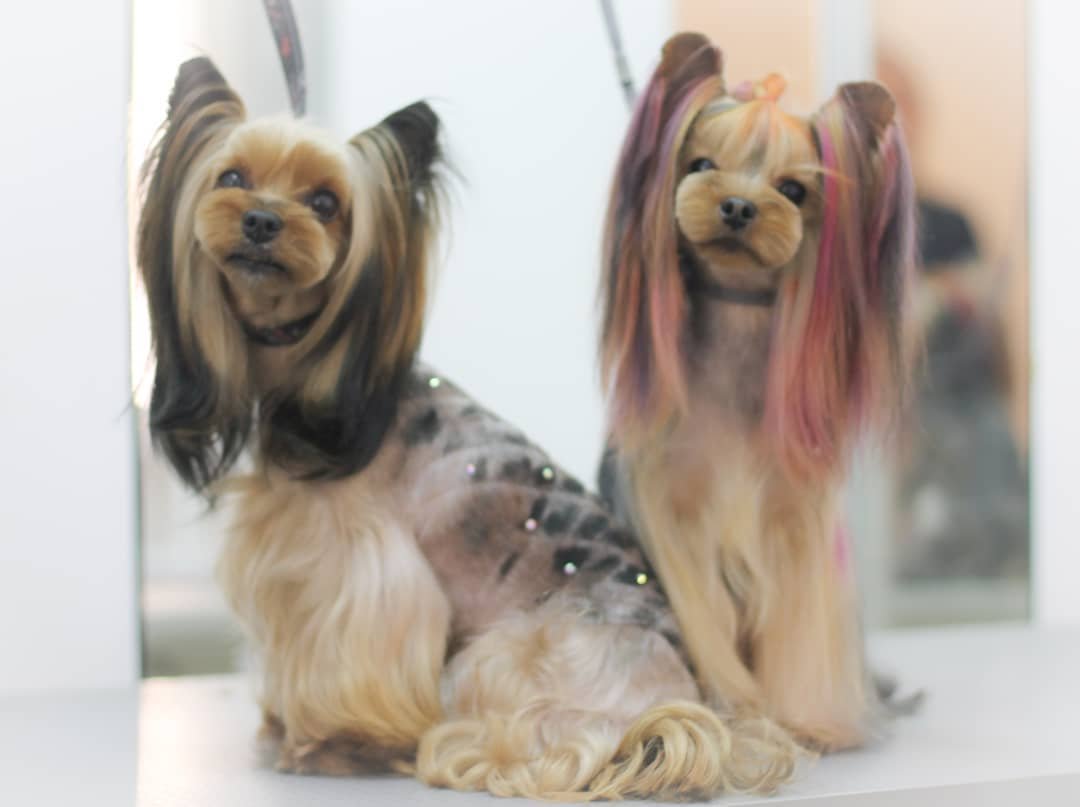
x: 615, y: 38
x: 287, y: 38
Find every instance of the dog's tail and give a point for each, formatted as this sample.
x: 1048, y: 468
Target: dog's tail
x: 551, y: 705
x: 676, y: 751
x: 684, y: 750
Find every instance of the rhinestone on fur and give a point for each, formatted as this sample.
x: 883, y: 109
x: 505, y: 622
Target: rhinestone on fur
x: 470, y: 469
x: 547, y: 473
x: 434, y: 382
x: 530, y: 525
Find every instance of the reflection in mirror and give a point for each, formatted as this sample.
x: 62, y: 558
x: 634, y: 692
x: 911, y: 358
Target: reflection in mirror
x: 960, y: 516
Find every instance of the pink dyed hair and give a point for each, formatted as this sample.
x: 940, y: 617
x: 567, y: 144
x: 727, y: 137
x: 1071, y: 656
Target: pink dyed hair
x: 837, y: 356
x: 837, y: 361
x: 644, y: 306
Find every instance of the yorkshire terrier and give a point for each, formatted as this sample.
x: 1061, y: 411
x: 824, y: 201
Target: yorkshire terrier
x: 426, y: 589
x: 754, y: 284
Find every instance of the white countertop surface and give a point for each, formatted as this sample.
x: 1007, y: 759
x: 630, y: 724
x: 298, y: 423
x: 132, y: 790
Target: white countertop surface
x: 1000, y: 726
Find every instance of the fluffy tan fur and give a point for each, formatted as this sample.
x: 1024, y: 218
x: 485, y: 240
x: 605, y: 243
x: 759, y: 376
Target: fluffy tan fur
x: 734, y: 139
x: 352, y: 628
x: 764, y: 607
x: 348, y: 617
x: 547, y: 705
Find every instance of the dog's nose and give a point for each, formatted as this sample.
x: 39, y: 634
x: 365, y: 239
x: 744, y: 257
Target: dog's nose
x: 737, y: 212
x: 261, y: 226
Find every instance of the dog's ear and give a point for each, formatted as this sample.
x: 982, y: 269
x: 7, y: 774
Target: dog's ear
x: 404, y: 156
x: 870, y: 107
x: 349, y: 388
x: 201, y: 106
x: 200, y: 428
x: 642, y: 294
x: 416, y: 129
x: 839, y: 360
x: 198, y: 84
x: 687, y: 58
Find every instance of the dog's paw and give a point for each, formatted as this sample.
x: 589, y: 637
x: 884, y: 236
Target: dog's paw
x: 340, y: 757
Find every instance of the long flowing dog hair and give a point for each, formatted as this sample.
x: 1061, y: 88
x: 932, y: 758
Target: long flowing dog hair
x: 838, y: 361
x: 753, y: 565
x: 351, y: 623
x: 330, y: 418
x: 199, y: 414
x: 644, y: 305
x: 837, y: 356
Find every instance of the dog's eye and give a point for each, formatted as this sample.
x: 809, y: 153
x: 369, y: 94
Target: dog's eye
x: 231, y: 179
x: 795, y: 191
x: 701, y: 164
x: 324, y: 203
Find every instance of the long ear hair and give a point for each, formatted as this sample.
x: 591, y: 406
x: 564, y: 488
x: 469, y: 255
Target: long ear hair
x: 333, y: 420
x: 838, y: 358
x: 197, y: 416
x: 642, y: 294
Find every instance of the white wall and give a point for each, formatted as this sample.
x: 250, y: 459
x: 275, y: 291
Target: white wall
x: 534, y: 116
x: 1055, y: 301
x: 845, y: 44
x: 67, y: 523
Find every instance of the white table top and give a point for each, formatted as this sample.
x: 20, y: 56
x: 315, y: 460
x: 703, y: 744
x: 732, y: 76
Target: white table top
x: 999, y: 727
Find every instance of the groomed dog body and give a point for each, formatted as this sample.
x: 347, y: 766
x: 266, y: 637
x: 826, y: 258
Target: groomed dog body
x: 755, y: 266
x: 426, y: 589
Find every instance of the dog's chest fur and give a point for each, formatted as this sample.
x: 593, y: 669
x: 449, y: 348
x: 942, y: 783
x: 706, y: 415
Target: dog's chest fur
x: 728, y: 357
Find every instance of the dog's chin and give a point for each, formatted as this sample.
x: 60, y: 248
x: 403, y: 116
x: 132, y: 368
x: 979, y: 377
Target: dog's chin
x: 732, y: 252
x: 257, y: 287
x: 733, y: 246
x: 266, y: 273
x: 257, y: 268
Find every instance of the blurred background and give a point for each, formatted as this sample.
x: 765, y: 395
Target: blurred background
x: 534, y: 115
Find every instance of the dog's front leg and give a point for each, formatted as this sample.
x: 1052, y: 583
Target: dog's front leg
x: 808, y: 653
x: 349, y: 621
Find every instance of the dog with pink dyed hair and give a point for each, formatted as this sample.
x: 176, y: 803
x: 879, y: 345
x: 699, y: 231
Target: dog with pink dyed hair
x: 755, y: 275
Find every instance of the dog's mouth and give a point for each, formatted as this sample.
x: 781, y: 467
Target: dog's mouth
x: 257, y: 266
x: 732, y: 245
x: 729, y: 243
x: 287, y: 333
